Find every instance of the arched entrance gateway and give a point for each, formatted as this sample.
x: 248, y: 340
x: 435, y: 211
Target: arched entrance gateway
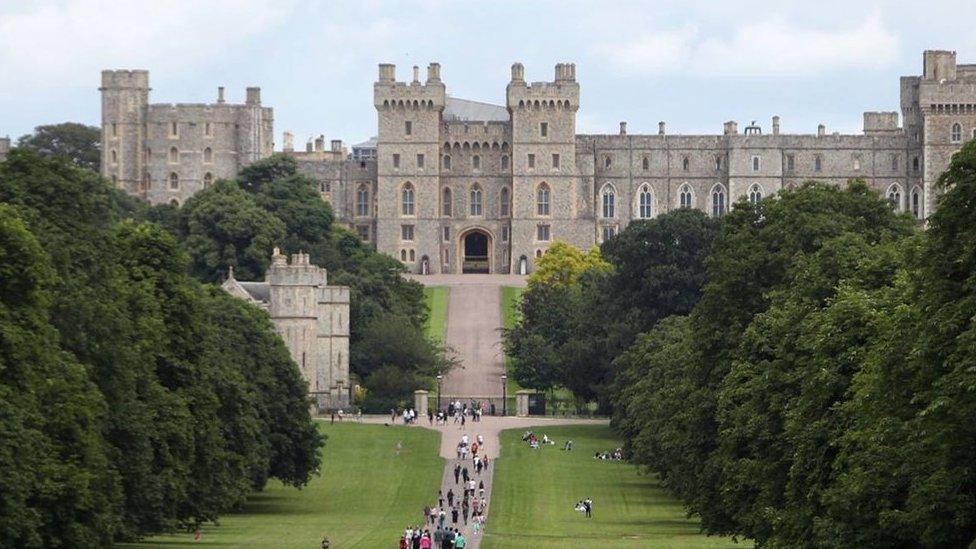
x: 475, y: 253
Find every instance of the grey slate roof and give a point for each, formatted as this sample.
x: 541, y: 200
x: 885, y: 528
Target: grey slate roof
x: 259, y: 291
x: 474, y: 111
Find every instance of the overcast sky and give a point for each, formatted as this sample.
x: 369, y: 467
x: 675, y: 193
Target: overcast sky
x: 691, y: 64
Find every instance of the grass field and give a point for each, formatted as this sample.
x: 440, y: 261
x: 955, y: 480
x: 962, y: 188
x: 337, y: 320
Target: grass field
x: 534, y: 492
x: 510, y: 297
x: 364, y: 497
x: 436, y: 297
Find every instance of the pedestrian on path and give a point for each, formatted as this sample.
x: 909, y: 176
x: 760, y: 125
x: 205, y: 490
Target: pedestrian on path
x: 450, y: 497
x: 465, y: 474
x: 465, y: 511
x: 454, y: 514
x: 457, y: 472
x: 459, y: 541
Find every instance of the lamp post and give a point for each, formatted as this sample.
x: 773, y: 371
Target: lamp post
x: 504, y: 395
x: 439, y: 380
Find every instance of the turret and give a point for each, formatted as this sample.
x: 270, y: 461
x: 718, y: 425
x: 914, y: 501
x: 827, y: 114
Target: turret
x: 939, y: 65
x: 125, y: 99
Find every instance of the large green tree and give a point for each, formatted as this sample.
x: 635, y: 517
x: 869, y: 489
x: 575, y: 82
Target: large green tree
x: 77, y: 143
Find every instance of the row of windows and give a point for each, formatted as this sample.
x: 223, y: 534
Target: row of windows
x: 174, y: 181
x: 757, y: 161
x: 173, y: 158
x: 407, y: 233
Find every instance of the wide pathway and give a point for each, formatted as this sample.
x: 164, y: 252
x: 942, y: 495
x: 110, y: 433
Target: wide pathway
x: 489, y: 428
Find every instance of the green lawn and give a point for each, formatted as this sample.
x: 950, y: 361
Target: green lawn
x: 510, y: 297
x: 364, y: 497
x: 436, y: 297
x: 534, y: 493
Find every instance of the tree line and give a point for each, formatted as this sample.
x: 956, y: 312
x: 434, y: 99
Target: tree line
x: 801, y: 372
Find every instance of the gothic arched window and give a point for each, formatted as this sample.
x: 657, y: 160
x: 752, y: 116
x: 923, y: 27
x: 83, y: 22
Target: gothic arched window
x: 916, y: 203
x: 174, y: 155
x: 208, y: 155
x: 755, y: 194
x: 174, y: 181
x: 718, y: 201
x: 609, y: 196
x: 446, y: 205
x: 644, y: 202
x: 505, y: 203
x: 894, y: 197
x: 476, y: 206
x: 542, y: 196
x: 406, y: 200
x: 207, y: 180
x: 956, y: 135
x: 684, y: 196
x: 362, y: 201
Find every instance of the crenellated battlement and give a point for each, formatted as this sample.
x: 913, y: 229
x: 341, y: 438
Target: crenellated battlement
x: 389, y: 94
x: 132, y: 79
x: 561, y: 93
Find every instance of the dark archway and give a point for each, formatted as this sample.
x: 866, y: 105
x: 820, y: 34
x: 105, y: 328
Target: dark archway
x: 476, y: 247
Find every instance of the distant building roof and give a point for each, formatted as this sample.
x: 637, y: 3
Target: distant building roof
x: 259, y: 291
x: 474, y: 111
x: 368, y: 144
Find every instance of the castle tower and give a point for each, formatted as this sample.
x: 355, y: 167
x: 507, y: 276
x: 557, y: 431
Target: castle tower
x: 408, y: 163
x: 543, y: 159
x: 125, y: 98
x: 293, y: 306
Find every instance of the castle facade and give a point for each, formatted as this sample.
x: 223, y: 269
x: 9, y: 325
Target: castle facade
x: 452, y: 186
x: 311, y: 317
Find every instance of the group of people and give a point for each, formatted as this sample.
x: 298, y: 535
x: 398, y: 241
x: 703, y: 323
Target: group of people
x: 441, y: 538
x: 585, y: 506
x: 409, y: 415
x: 615, y: 455
x: 533, y: 441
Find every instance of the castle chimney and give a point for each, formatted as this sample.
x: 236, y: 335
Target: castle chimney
x: 320, y: 143
x: 308, y: 145
x: 821, y: 130
x: 623, y: 128
x: 387, y: 72
x: 220, y: 95
x: 731, y: 127
x: 336, y: 145
x: 660, y: 128
x: 289, y: 142
x: 434, y: 72
x: 518, y: 72
x: 277, y: 258
x: 416, y: 74
x: 253, y: 96
x: 775, y: 125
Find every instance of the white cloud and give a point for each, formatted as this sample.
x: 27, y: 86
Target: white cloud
x: 67, y: 43
x: 769, y: 47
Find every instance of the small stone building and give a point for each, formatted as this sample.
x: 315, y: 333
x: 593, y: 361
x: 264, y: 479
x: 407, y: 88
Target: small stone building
x: 311, y: 317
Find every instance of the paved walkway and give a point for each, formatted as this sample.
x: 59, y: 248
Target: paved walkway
x: 489, y: 428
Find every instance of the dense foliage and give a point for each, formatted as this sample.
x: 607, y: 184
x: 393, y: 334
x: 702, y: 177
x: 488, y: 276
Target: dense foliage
x: 134, y: 399
x: 238, y: 223
x: 77, y: 143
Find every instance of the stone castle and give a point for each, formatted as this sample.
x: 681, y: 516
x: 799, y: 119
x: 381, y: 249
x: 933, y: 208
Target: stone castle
x: 455, y: 186
x: 311, y: 317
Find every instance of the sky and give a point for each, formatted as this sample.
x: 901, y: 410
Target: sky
x: 692, y: 64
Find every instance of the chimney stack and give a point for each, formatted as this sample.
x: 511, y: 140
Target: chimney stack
x: 308, y: 145
x: 320, y: 143
x: 731, y: 128
x: 336, y: 145
x: 821, y: 130
x: 254, y: 96
x: 434, y: 72
x: 660, y: 128
x: 387, y: 72
x: 775, y: 125
x: 416, y: 74
x: 289, y: 142
x: 220, y: 95
x: 623, y: 128
x: 518, y: 72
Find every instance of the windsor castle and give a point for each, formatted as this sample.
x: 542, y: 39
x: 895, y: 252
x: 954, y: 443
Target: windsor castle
x: 456, y: 186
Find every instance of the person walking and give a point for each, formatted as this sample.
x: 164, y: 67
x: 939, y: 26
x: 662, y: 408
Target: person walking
x: 454, y: 514
x: 459, y: 541
x: 588, y: 506
x: 450, y: 497
x: 465, y: 511
x: 457, y: 472
x: 464, y: 474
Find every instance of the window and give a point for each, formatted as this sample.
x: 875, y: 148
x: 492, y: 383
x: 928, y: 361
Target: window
x: 174, y: 130
x: 505, y: 203
x: 718, y: 201
x: 408, y: 128
x: 447, y: 207
x: 894, y: 197
x: 956, y: 135
x: 685, y: 163
x: 476, y: 162
x: 538, y: 254
x: 894, y: 162
x: 115, y: 129
x: 446, y: 234
x: 817, y: 163
x: 607, y: 161
x: 396, y: 161
x: 857, y: 162
x: 505, y: 233
x: 406, y: 199
x: 447, y: 162
x: 325, y: 187
x: 476, y: 208
x: 403, y: 255
x: 542, y: 199
x: 646, y: 163
x: 413, y: 256
x: 420, y: 161
x: 718, y: 163
x: 544, y: 129
x: 505, y: 162
x: 531, y: 160
x: 174, y: 155
x: 915, y: 166
x: 208, y: 156
x: 542, y: 233
x: 207, y: 130
x: 363, y: 231
x: 148, y: 155
x: 644, y: 202
x: 555, y: 161
x: 756, y: 164
x: 684, y: 196
x: 115, y: 157
x: 609, y: 232
x: 147, y: 184
x: 609, y: 202
x: 362, y: 201
x: 790, y: 163
x: 916, y: 204
x: 755, y: 194
x: 207, y: 180
x: 406, y: 232
x: 174, y: 181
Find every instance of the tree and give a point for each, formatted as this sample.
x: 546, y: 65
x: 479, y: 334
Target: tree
x: 274, y: 168
x: 76, y: 143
